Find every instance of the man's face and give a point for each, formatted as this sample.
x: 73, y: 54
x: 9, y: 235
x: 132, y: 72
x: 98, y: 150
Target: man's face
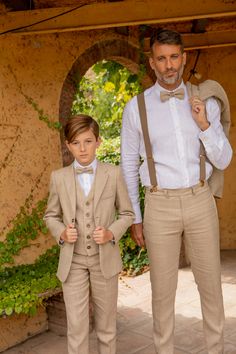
x: 84, y: 147
x: 168, y: 62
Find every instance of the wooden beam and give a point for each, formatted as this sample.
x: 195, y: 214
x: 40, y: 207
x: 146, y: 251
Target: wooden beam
x: 113, y: 14
x: 204, y: 40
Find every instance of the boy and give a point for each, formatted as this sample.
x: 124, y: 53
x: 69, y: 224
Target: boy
x: 88, y: 211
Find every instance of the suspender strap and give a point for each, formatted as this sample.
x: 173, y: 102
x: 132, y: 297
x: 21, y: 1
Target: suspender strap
x: 202, y: 163
x: 147, y: 143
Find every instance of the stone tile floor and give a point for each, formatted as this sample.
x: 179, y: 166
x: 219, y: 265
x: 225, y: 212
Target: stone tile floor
x: 135, y: 319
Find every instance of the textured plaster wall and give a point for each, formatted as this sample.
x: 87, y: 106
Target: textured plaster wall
x: 37, y: 66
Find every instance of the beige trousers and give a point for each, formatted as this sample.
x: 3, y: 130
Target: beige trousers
x: 169, y: 214
x: 85, y: 272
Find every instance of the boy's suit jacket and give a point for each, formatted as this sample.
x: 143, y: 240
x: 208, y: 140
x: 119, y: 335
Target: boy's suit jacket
x: 112, y: 210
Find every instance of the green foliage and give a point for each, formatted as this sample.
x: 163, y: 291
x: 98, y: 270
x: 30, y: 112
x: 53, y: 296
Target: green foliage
x: 103, y: 93
x: 41, y: 115
x: 23, y: 288
x: 109, y: 151
x: 26, y: 226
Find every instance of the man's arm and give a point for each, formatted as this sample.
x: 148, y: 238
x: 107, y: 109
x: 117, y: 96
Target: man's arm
x: 130, y: 142
x: 207, y: 117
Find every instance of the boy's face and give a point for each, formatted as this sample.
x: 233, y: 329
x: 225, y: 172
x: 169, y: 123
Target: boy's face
x: 84, y: 147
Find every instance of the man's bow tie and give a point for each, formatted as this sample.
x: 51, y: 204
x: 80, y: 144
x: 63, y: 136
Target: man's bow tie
x: 166, y: 95
x: 80, y: 170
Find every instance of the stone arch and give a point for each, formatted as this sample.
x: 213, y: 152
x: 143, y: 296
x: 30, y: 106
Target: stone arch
x: 118, y: 50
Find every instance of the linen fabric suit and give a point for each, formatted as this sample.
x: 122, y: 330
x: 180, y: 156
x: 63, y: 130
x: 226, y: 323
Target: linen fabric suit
x: 180, y: 206
x: 97, y: 266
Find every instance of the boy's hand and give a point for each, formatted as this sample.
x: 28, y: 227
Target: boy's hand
x: 102, y: 235
x: 70, y: 234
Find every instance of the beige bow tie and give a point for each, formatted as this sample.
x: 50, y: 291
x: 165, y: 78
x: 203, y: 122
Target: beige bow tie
x: 80, y: 170
x: 166, y: 95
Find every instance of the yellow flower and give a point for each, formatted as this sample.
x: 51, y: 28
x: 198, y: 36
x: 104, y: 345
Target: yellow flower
x: 109, y: 86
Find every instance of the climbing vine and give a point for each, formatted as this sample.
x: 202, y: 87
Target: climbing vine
x: 41, y: 114
x: 26, y: 226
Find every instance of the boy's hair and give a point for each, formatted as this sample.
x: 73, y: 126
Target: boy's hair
x: 165, y: 36
x: 79, y: 124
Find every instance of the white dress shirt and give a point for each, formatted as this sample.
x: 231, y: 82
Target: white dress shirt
x: 86, y: 179
x: 174, y: 137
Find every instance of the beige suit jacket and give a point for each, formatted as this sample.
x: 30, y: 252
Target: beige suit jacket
x: 112, y: 210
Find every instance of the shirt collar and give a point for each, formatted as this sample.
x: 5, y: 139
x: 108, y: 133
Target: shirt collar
x: 92, y: 164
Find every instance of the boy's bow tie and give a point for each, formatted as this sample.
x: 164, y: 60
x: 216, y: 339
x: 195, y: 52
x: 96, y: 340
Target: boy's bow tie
x: 166, y: 95
x: 80, y: 170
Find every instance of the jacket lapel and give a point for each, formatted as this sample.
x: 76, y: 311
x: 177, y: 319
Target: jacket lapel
x: 69, y: 182
x: 100, y: 182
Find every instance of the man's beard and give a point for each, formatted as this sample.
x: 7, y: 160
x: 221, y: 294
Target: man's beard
x: 170, y: 80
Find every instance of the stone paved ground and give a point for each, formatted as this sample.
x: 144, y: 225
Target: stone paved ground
x: 135, y: 320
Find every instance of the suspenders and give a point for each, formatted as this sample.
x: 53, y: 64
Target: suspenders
x: 148, y: 147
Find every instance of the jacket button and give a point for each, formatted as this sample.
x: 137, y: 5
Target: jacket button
x: 88, y: 226
x: 88, y: 236
x: 87, y: 203
x: 88, y: 247
x: 87, y: 214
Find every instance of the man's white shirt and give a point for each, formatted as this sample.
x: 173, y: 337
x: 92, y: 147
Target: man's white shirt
x: 174, y: 137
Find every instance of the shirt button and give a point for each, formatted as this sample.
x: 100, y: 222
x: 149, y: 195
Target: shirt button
x: 88, y: 226
x: 88, y: 236
x: 88, y: 247
x: 87, y: 214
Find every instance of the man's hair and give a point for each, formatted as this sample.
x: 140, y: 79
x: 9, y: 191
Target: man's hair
x: 165, y: 36
x: 79, y: 124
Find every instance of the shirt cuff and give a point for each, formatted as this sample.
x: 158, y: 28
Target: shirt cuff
x: 138, y: 215
x: 208, y: 137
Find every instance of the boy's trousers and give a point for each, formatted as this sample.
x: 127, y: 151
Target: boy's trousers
x: 168, y: 215
x: 85, y: 272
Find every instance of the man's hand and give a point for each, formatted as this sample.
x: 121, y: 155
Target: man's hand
x: 137, y: 234
x: 199, y: 112
x: 70, y: 234
x: 102, y: 235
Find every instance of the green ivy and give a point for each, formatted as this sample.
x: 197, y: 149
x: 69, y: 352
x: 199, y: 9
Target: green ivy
x: 23, y: 288
x: 26, y: 226
x: 41, y: 115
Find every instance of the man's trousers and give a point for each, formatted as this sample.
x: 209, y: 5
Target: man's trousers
x: 85, y: 272
x: 168, y: 215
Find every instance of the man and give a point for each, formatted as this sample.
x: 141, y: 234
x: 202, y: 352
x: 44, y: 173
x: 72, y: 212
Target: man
x: 180, y: 205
